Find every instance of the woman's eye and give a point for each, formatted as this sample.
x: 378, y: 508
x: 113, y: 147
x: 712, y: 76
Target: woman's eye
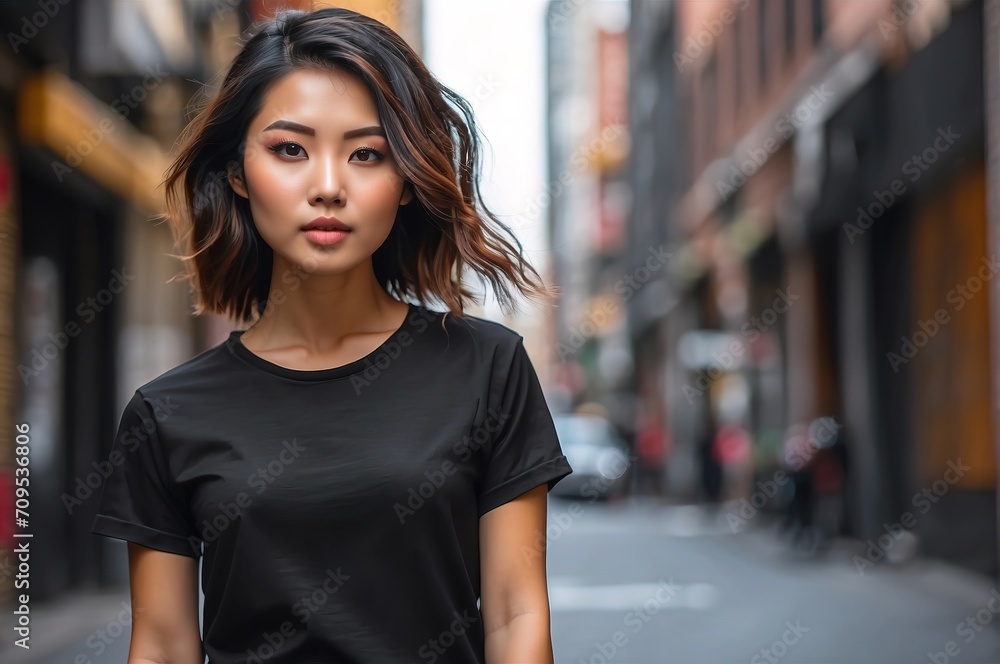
x: 368, y: 155
x: 282, y: 149
x: 289, y: 149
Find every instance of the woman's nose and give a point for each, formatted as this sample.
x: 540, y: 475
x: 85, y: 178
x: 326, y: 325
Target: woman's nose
x: 328, y: 183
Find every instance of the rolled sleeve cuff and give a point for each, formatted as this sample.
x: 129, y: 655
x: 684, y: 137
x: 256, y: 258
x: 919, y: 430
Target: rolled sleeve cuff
x: 109, y: 526
x: 550, y: 472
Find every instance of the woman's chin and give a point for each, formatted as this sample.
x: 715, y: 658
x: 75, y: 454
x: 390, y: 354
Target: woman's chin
x: 316, y: 261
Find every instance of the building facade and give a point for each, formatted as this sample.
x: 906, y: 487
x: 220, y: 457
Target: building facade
x: 588, y: 198
x: 829, y: 169
x: 93, y: 96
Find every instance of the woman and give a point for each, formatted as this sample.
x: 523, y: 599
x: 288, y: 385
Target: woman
x: 365, y: 477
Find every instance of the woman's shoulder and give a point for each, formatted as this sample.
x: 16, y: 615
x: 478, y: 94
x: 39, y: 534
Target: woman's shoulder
x: 481, y: 330
x: 202, y: 370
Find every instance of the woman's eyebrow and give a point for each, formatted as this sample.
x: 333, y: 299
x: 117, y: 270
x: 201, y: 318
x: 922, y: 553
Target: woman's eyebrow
x: 374, y: 130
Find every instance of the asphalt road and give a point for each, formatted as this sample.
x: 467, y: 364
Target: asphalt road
x: 634, y: 582
x: 745, y: 597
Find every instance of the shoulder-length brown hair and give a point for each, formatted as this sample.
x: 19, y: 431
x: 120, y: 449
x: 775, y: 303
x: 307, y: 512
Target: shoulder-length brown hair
x: 443, y: 231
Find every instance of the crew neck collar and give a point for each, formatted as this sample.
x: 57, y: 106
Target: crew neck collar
x: 235, y: 345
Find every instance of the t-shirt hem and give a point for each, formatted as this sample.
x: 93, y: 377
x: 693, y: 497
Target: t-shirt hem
x: 550, y: 472
x: 149, y: 537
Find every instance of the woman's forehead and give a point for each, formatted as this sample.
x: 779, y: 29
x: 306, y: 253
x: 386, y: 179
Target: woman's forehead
x: 322, y: 99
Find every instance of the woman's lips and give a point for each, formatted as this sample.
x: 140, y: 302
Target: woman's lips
x: 325, y: 237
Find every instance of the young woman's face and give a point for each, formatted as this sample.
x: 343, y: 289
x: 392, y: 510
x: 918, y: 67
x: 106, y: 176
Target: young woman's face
x: 316, y: 149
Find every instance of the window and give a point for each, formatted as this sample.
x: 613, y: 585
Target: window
x: 737, y: 63
x: 818, y: 24
x: 762, y: 42
x: 709, y: 115
x: 790, y: 29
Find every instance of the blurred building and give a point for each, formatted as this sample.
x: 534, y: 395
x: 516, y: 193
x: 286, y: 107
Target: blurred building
x: 656, y: 173
x: 587, y: 194
x: 820, y: 166
x: 93, y: 96
x: 403, y: 16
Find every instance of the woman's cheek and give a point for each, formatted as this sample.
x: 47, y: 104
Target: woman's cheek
x: 393, y: 181
x: 390, y: 191
x: 257, y: 155
x: 273, y: 190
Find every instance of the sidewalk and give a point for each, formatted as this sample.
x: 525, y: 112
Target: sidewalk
x: 92, y: 624
x: 954, y: 584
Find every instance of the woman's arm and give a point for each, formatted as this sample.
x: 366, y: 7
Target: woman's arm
x: 515, y: 600
x: 164, y: 607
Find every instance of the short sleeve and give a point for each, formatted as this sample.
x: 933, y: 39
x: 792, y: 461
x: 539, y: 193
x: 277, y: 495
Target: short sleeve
x: 525, y: 451
x: 138, y: 501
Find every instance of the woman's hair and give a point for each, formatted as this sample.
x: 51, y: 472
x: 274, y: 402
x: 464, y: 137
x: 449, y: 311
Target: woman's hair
x: 445, y: 228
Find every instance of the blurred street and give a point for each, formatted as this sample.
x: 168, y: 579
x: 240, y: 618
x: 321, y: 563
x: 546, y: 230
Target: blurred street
x: 676, y: 584
x: 739, y: 596
x: 771, y: 225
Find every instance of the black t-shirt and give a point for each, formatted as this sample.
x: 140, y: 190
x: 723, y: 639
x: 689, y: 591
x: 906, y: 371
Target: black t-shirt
x: 338, y: 509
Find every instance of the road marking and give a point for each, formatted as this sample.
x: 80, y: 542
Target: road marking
x: 672, y: 528
x: 673, y: 521
x: 566, y: 595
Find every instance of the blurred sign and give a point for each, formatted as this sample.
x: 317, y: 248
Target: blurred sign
x: 5, y: 181
x: 132, y: 37
x: 612, y: 82
x: 402, y: 16
x: 383, y: 11
x: 612, y: 119
x: 62, y: 115
x: 41, y: 367
x: 264, y: 9
x: 699, y: 349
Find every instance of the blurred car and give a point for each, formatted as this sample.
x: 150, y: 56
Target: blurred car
x: 598, y: 455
